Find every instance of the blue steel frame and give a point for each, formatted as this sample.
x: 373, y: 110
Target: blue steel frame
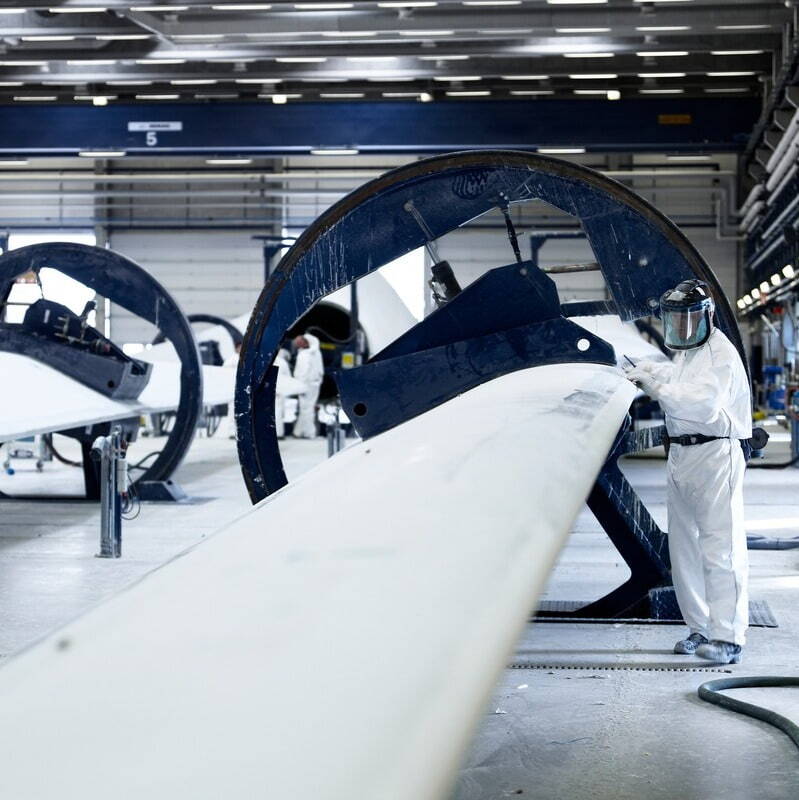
x: 640, y: 252
x: 668, y: 123
x: 125, y: 283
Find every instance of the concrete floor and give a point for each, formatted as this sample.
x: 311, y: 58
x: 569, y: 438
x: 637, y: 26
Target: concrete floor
x: 567, y: 726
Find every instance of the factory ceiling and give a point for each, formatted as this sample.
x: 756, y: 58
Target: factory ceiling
x: 427, y: 50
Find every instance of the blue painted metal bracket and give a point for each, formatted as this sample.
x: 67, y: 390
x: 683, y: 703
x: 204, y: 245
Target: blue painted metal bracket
x: 125, y: 283
x: 717, y: 124
x: 508, y: 319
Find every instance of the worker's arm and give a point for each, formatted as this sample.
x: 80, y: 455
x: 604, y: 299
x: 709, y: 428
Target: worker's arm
x: 661, y: 371
x: 699, y: 399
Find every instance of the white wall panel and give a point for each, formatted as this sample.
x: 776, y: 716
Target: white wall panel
x: 211, y: 272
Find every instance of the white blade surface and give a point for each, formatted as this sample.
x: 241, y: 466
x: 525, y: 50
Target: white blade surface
x: 36, y: 398
x: 337, y: 642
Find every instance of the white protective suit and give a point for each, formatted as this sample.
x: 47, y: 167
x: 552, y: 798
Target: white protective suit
x: 309, y: 369
x: 705, y: 390
x: 283, y: 369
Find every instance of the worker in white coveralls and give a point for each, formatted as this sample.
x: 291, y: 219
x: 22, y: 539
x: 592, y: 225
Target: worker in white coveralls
x: 705, y: 396
x: 309, y: 369
x: 283, y: 370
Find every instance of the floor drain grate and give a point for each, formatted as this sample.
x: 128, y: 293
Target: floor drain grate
x: 614, y: 668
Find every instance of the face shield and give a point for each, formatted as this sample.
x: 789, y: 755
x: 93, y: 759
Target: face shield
x: 686, y: 328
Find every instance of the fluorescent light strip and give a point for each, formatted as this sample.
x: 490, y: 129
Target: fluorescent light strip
x: 301, y: 60
x: 753, y: 27
x: 687, y: 158
x: 662, y: 28
x: 12, y: 83
x: 576, y: 2
x: 159, y: 8
x: 229, y: 161
x: 661, y: 91
x: 157, y: 96
x: 334, y: 151
x: 90, y: 62
x: 561, y: 151
x: 13, y: 162
x: 156, y: 61
x: 47, y: 38
x: 530, y: 92
x: 590, y: 91
x: 732, y: 74
x: 400, y: 94
x: 347, y: 34
x: 129, y: 83
x: 736, y: 52
x: 12, y: 10
x: 442, y: 58
x: 78, y: 10
x: 260, y: 80
x: 593, y: 76
x: 727, y: 91
x: 492, y: 2
x: 203, y: 36
x: 582, y: 30
x: 244, y: 7
x: 661, y: 74
x: 409, y: 4
x: 33, y: 99
x: 341, y: 95
x: 121, y: 37
x: 322, y: 6
x: 661, y: 53
x: 476, y: 93
x: 23, y: 63
x: 194, y: 82
x: 360, y: 59
x: 457, y: 78
x: 524, y: 77
x: 426, y: 33
x: 102, y: 153
x: 588, y: 55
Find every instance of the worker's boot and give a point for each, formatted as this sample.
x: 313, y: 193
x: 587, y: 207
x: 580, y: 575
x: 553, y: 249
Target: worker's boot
x: 720, y: 652
x: 687, y: 647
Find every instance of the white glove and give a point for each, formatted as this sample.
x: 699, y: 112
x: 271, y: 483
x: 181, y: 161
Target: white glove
x: 642, y: 377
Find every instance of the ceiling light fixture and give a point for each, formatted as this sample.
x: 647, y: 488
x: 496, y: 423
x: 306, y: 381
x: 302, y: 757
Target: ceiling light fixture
x: 582, y: 30
x: 431, y: 34
x: 47, y: 38
x: 729, y: 90
x: 458, y: 78
x: 661, y: 53
x: 736, y: 52
x: 788, y: 271
x: 194, y: 82
x: 561, y: 151
x: 687, y: 158
x: 524, y: 77
x: 258, y: 80
x: 588, y: 55
x: 102, y: 153
x: 425, y: 97
x: 13, y: 162
x: 157, y: 96
x: 301, y: 60
x: 244, y: 7
x: 334, y: 151
x: 34, y: 99
x: 358, y: 59
x: 530, y: 92
x: 475, y: 93
x: 348, y: 34
x: 155, y: 61
x: 754, y: 27
x: 442, y: 58
x: 342, y: 95
x: 661, y: 91
x: 78, y: 10
x: 731, y: 74
x: 593, y: 76
x: 159, y: 8
x: 662, y: 28
x: 90, y: 62
x: 661, y: 74
x: 409, y: 4
x: 121, y: 37
x: 228, y: 161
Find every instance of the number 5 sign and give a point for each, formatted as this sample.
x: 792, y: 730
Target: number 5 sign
x: 152, y: 129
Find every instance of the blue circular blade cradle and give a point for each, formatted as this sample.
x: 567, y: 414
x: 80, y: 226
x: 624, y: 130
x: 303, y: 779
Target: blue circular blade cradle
x: 125, y: 283
x: 640, y: 252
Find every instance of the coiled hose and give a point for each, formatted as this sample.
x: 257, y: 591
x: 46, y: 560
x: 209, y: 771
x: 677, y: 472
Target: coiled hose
x: 712, y: 693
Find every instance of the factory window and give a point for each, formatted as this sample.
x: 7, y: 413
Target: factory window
x: 54, y: 284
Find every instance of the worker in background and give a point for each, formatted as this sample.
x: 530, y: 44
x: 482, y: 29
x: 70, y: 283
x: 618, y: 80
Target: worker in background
x: 309, y: 369
x: 284, y: 370
x: 705, y: 396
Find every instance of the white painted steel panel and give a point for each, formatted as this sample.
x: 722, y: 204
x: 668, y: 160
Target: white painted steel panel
x: 298, y: 654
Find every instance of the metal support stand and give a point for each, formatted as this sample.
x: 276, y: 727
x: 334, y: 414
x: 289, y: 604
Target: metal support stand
x: 336, y: 436
x: 110, y: 452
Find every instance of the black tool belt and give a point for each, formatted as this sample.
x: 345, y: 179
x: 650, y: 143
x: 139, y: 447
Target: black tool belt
x: 693, y: 438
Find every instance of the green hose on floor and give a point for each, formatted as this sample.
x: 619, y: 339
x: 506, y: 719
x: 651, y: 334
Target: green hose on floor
x: 711, y: 692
